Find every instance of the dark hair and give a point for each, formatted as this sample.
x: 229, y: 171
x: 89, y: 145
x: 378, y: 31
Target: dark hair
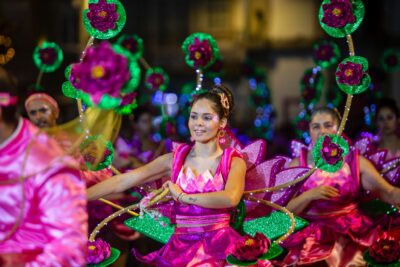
x: 8, y: 114
x: 388, y: 103
x: 326, y: 110
x: 137, y: 113
x: 216, y: 95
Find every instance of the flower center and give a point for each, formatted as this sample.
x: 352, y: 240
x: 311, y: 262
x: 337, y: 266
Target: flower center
x: 102, y: 13
x: 91, y: 247
x: 348, y: 72
x: 197, y: 55
x: 337, y: 11
x: 249, y: 242
x: 334, y: 152
x: 157, y: 80
x: 98, y: 72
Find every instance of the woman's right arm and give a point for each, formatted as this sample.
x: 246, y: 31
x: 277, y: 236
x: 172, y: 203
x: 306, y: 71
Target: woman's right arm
x: 300, y: 203
x: 158, y: 168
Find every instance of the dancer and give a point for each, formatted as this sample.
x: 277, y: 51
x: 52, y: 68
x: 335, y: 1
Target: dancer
x: 139, y: 149
x: 387, y: 120
x: 206, y: 183
x: 42, y: 204
x: 338, y: 233
x: 42, y: 110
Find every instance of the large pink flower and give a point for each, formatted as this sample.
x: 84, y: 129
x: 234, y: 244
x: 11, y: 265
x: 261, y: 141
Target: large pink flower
x: 200, y: 52
x: 338, y: 13
x: 331, y: 152
x: 98, y: 251
x: 101, y: 72
x: 102, y: 16
x: 350, y: 73
x: 250, y: 248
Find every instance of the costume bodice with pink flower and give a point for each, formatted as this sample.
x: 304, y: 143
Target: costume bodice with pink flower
x: 346, y: 181
x: 202, y: 183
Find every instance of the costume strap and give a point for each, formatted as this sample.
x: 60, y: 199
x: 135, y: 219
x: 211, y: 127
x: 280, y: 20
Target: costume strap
x: 226, y: 161
x: 352, y: 159
x: 180, y: 154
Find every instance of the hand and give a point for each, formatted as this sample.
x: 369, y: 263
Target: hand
x: 12, y: 260
x: 323, y: 192
x: 174, y: 189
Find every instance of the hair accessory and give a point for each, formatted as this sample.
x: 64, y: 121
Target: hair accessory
x: 224, y: 103
x: 41, y: 96
x: 7, y: 100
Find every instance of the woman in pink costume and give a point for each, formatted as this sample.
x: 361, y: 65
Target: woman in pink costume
x: 338, y: 233
x: 43, y: 220
x: 139, y: 149
x: 387, y: 120
x: 207, y: 182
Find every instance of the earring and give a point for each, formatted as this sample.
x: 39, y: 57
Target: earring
x: 221, y: 136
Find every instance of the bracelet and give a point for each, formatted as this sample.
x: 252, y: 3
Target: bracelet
x: 179, y: 197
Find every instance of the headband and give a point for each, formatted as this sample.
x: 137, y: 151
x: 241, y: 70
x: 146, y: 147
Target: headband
x: 41, y: 96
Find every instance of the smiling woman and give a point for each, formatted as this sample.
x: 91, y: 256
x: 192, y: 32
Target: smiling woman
x: 338, y: 232
x: 206, y: 182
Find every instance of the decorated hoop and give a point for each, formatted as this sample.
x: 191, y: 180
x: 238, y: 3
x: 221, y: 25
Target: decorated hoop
x: 200, y: 50
x: 340, y: 18
x: 329, y: 151
x: 156, y: 79
x: 326, y: 53
x: 311, y: 86
x: 390, y: 60
x: 104, y: 18
x: 47, y: 56
x: 351, y: 75
x: 133, y: 44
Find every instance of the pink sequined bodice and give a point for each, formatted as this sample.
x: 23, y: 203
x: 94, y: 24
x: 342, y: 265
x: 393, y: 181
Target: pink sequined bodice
x: 205, y: 182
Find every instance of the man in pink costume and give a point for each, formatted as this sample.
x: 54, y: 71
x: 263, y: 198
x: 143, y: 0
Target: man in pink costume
x: 43, y: 220
x: 42, y: 110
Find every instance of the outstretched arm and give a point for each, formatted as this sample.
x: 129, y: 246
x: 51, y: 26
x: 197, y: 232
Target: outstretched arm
x: 371, y: 180
x: 158, y: 168
x: 227, y: 198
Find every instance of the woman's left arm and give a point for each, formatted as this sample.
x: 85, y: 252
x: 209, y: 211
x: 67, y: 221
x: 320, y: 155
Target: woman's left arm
x: 227, y: 198
x: 371, y: 180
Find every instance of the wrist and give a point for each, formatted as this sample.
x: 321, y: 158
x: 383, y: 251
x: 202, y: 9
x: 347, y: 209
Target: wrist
x: 180, y: 197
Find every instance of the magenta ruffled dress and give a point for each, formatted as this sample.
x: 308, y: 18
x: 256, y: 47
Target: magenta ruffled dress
x: 206, y: 245
x: 337, y: 230
x: 52, y: 230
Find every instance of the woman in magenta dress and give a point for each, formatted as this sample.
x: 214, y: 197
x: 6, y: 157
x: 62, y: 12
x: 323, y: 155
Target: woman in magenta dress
x: 338, y: 233
x: 206, y: 183
x: 387, y: 120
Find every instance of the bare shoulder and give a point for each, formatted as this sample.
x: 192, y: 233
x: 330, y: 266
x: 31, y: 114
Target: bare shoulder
x: 238, y: 163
